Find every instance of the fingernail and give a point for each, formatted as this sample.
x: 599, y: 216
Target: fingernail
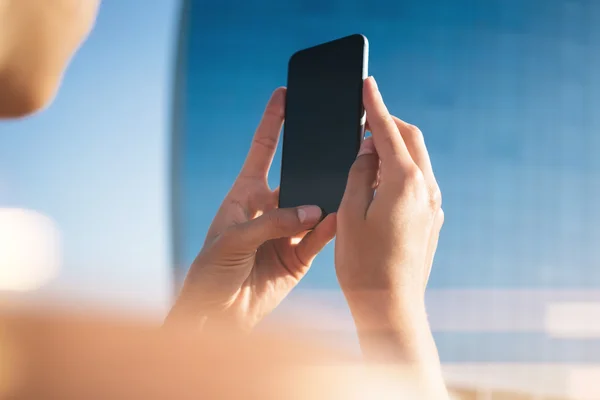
x: 278, y: 96
x: 366, y: 147
x: 309, y: 214
x: 374, y: 83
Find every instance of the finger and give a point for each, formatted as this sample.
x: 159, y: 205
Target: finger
x: 259, y: 202
x: 415, y: 143
x: 315, y: 241
x: 294, y: 240
x: 275, y: 224
x: 438, y: 221
x: 362, y: 180
x: 276, y: 193
x: 265, y: 140
x: 388, y: 141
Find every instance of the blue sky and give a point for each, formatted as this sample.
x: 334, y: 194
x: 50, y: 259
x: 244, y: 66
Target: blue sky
x: 96, y: 160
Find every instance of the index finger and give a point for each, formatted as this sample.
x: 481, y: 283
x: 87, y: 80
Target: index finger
x: 265, y: 140
x: 388, y: 141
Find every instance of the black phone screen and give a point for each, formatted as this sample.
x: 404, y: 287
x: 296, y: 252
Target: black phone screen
x: 323, y: 122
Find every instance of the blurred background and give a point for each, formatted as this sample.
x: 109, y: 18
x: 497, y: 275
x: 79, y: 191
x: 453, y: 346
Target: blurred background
x: 115, y: 185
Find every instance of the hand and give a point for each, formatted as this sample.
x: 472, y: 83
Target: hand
x: 254, y: 253
x: 388, y: 227
x: 390, y: 217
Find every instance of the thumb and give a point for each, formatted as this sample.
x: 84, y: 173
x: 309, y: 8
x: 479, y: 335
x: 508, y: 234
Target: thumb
x: 279, y: 223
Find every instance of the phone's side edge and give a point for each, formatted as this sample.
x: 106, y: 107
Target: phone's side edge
x: 282, y: 132
x: 365, y: 75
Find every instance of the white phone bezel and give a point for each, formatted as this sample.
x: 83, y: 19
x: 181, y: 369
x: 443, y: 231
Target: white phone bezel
x: 365, y: 75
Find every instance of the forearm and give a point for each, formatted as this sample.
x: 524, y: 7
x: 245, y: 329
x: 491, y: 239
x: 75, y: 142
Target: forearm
x: 401, y: 337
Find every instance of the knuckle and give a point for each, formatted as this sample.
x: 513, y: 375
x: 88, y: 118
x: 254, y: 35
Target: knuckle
x: 414, y: 129
x: 387, y: 119
x: 390, y: 142
x: 383, y: 121
x: 283, y: 220
x: 413, y: 176
x: 268, y: 142
x: 276, y: 219
x: 363, y: 165
x: 435, y: 199
x: 276, y: 109
x: 387, y: 122
x: 413, y: 132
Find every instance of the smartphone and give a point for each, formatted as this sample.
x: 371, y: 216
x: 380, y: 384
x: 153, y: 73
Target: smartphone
x: 324, y: 122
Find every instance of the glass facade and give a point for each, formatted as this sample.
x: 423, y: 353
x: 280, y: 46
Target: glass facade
x: 507, y: 93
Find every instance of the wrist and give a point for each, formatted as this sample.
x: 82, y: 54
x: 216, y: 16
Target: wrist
x: 222, y: 321
x: 401, y: 337
x: 385, y: 310
x: 392, y: 328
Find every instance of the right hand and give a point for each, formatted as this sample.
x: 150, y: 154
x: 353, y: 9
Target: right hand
x: 388, y: 226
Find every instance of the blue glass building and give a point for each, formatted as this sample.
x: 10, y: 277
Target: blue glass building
x: 507, y: 93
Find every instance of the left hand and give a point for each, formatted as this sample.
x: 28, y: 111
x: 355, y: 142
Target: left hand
x: 254, y: 253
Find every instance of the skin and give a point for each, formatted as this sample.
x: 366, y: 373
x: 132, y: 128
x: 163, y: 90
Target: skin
x: 53, y: 354
x: 250, y: 260
x: 255, y: 253
x: 37, y: 40
x: 388, y: 228
x: 384, y: 251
